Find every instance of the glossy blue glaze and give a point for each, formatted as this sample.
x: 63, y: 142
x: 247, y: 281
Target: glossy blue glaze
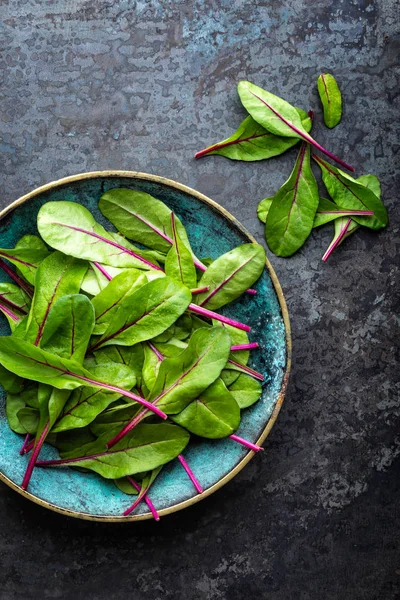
x: 211, y: 234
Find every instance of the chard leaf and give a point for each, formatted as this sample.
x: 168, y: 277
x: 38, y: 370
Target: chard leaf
x: 329, y: 211
x: 28, y: 397
x: 71, y: 228
x: 84, y: 404
x: 131, y: 356
x: 14, y: 298
x: 182, y: 378
x: 350, y: 194
x: 245, y: 390
x: 278, y: 116
x: 29, y: 419
x: 90, y: 283
x: 179, y: 262
x: 10, y: 382
x: 263, y: 208
x: 107, y: 303
x: 25, y: 259
x: 146, y: 313
x: 291, y: 215
x: 252, y: 142
x: 230, y: 275
x: 151, y: 365
x: 371, y: 182
x: 57, y: 276
x: 141, y: 218
x: 145, y: 449
x: 214, y: 414
x: 125, y: 486
x: 331, y: 99
x: 344, y: 227
x: 68, y: 327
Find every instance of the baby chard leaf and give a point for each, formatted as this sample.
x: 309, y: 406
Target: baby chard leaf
x: 331, y: 99
x: 15, y: 298
x: 291, y: 215
x: 329, y: 211
x: 278, y: 116
x: 252, y: 142
x: 350, y: 194
x: 25, y: 259
x: 245, y: 390
x: 344, y: 227
x: 57, y: 276
x: 72, y: 229
x: 214, y: 414
x: 179, y: 262
x: 145, y: 449
x: 68, y: 327
x: 107, y: 302
x: 146, y: 313
x: 229, y: 276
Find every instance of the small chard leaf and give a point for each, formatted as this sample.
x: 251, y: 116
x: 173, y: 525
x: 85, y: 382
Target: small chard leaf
x: 131, y: 356
x: 28, y: 397
x: 151, y: 366
x: 145, y: 449
x: 263, y: 208
x: 57, y: 276
x: 179, y: 262
x: 14, y: 298
x: 143, y: 219
x: 350, y: 194
x: 229, y: 376
x: 278, y: 116
x: 26, y: 260
x: 344, y: 227
x: 181, y: 379
x: 230, y: 275
x: 291, y: 215
x: 85, y: 404
x: 68, y: 328
x: 90, y: 283
x: 125, y: 486
x: 331, y: 99
x: 10, y: 382
x: 245, y: 390
x: 252, y: 142
x: 106, y: 304
x: 72, y: 229
x: 146, y: 313
x: 371, y: 182
x: 329, y: 211
x: 214, y: 414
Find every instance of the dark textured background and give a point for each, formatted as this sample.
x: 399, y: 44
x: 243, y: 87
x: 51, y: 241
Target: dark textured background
x: 90, y: 85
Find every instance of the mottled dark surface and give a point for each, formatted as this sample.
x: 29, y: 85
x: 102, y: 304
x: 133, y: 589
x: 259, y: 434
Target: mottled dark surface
x: 141, y: 86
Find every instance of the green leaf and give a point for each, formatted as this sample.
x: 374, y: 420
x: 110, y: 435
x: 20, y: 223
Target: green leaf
x: 14, y: 297
x: 291, y: 215
x: 71, y: 228
x: 10, y: 382
x: 90, y: 283
x: 331, y: 99
x: 84, y: 404
x: 25, y: 259
x: 230, y: 275
x: 68, y: 327
x: 252, y: 142
x: 371, y: 182
x: 57, y: 276
x: 350, y: 194
x: 263, y: 208
x: 141, y: 218
x: 277, y: 116
x: 28, y: 397
x: 246, y: 391
x: 344, y: 227
x: 107, y: 303
x: 214, y: 414
x: 179, y: 262
x: 151, y: 366
x: 125, y: 486
x: 131, y: 356
x: 181, y: 379
x: 144, y: 449
x: 146, y: 313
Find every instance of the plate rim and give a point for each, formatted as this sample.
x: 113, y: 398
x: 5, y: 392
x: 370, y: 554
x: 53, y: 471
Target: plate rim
x: 285, y: 315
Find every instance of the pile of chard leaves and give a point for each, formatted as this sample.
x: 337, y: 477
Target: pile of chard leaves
x: 117, y: 354
x: 274, y: 126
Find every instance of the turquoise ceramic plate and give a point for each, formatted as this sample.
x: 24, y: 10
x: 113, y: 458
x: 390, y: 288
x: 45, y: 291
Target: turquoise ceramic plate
x: 212, y: 231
